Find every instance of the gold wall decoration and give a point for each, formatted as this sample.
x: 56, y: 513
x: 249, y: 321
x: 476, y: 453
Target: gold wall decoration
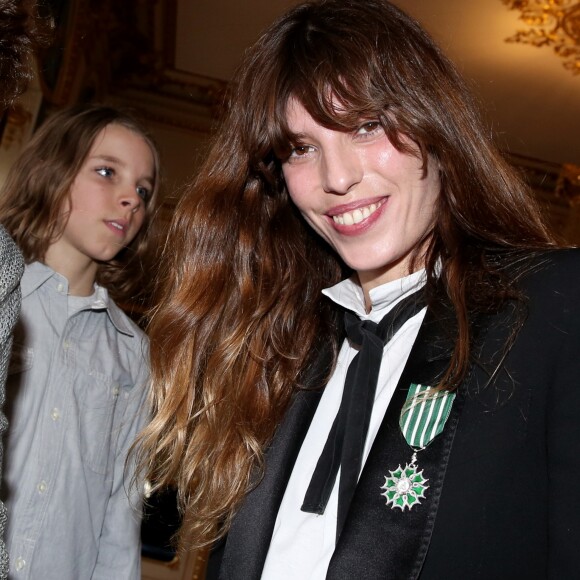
x: 554, y: 23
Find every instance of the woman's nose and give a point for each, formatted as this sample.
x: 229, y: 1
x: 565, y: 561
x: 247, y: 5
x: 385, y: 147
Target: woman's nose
x: 341, y: 169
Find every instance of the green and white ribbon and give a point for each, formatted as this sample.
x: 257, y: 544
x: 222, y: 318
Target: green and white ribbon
x: 423, y: 417
x: 424, y: 414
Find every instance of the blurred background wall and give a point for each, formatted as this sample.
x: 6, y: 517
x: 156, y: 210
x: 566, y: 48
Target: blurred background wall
x: 171, y: 60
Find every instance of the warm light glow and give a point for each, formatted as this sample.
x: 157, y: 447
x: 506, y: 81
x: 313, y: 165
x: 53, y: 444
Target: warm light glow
x: 554, y: 23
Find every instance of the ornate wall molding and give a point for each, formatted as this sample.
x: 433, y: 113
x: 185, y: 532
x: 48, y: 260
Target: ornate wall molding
x: 557, y: 189
x: 125, y: 49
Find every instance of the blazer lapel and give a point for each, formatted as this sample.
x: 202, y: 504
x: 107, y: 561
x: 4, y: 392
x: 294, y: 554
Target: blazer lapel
x: 249, y: 537
x: 390, y: 543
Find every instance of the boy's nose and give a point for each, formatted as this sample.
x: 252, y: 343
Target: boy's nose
x: 130, y: 198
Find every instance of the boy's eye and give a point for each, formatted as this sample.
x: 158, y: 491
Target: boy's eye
x: 105, y: 171
x: 143, y: 193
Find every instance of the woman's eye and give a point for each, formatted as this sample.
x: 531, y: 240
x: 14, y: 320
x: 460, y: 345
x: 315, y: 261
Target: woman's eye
x: 369, y: 127
x: 105, y: 171
x: 301, y: 150
x: 143, y: 193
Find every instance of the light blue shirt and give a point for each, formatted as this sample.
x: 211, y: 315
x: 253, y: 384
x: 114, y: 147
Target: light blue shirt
x: 75, y: 401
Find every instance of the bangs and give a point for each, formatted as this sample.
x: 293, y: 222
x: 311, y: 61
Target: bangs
x: 338, y: 73
x: 337, y: 95
x: 385, y: 68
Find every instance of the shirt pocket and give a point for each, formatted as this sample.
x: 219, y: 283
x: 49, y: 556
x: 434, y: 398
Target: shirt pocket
x: 98, y: 396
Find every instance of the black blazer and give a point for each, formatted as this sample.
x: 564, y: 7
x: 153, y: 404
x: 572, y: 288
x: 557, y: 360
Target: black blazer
x: 504, y: 499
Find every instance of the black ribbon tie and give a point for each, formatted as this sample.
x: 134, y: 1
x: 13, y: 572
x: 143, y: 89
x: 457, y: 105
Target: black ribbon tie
x: 345, y: 444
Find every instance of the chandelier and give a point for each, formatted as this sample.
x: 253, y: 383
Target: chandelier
x: 554, y: 23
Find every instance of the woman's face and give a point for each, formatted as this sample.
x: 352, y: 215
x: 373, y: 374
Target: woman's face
x: 370, y: 202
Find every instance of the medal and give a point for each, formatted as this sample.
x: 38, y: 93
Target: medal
x: 406, y: 486
x: 423, y: 418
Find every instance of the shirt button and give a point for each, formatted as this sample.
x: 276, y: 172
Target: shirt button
x: 66, y: 345
x: 115, y: 390
x: 41, y: 487
x: 55, y: 414
x: 60, y: 288
x: 19, y: 563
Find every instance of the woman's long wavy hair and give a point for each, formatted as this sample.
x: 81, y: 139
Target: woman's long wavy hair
x: 38, y: 186
x: 240, y: 312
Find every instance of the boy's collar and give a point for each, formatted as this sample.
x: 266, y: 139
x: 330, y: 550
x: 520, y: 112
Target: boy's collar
x: 36, y: 274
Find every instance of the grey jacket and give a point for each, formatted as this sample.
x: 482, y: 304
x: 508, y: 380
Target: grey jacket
x: 11, y: 268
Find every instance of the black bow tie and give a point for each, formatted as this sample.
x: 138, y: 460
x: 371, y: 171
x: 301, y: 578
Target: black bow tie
x: 345, y: 444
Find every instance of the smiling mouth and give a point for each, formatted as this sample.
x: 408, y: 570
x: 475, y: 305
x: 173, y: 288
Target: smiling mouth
x: 350, y: 218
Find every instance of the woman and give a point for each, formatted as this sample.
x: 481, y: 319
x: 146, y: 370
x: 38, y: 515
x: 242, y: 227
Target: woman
x: 351, y: 150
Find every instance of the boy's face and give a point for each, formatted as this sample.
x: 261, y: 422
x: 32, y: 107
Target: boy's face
x: 107, y: 198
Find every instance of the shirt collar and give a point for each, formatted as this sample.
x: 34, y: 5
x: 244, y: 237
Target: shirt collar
x: 38, y: 274
x: 348, y: 294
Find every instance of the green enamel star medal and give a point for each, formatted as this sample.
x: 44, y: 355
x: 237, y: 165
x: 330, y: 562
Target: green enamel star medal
x: 406, y: 486
x: 423, y: 417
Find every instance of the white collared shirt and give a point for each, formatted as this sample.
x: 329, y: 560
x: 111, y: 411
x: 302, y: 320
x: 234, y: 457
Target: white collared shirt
x: 303, y: 543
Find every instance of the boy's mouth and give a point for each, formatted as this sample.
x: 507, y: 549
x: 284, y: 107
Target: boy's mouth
x: 121, y: 227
